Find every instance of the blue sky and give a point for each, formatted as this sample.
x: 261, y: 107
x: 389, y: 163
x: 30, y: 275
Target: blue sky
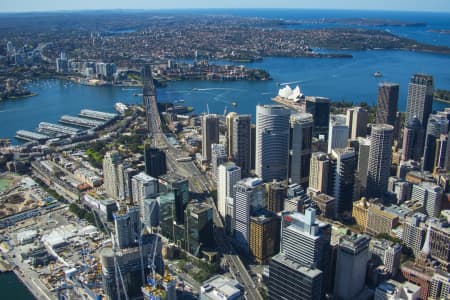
x: 48, y: 5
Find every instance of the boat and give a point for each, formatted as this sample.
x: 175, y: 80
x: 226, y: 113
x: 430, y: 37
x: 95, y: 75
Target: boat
x: 377, y: 74
x: 234, y: 103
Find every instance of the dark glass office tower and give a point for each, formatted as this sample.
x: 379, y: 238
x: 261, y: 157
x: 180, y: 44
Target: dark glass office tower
x: 155, y: 161
x: 319, y: 107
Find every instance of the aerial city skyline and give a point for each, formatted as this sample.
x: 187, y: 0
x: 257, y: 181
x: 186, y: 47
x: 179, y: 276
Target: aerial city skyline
x: 188, y: 155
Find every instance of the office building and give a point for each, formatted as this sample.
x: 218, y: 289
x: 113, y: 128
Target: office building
x: 229, y: 133
x: 338, y: 132
x: 264, y: 236
x: 357, y: 118
x: 430, y: 195
x: 341, y: 179
x: 248, y: 198
x: 351, y: 266
x: 363, y: 166
x: 228, y: 175
x: 326, y: 205
x: 437, y: 125
x: 220, y: 287
x: 441, y: 153
x: 300, y: 141
x: 290, y: 280
x: 126, y: 174
x: 318, y: 172
x: 304, y: 240
x: 127, y: 227
x: 380, y: 157
x: 239, y: 141
x: 372, y: 217
x: 391, y: 259
x: 420, y: 98
x: 387, y: 103
x: 252, y: 147
x: 393, y: 290
x: 179, y: 186
x: 151, y: 212
x: 400, y: 188
x: 414, y: 232
x: 218, y: 157
x: 166, y: 214
x: 143, y: 187
x: 210, y: 134
x: 155, y: 161
x: 276, y: 193
x: 111, y: 174
x: 199, y: 227
x: 440, y: 286
x: 272, y: 142
x: 319, y: 107
x: 411, y: 140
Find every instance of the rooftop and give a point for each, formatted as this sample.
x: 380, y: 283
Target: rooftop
x: 310, y: 272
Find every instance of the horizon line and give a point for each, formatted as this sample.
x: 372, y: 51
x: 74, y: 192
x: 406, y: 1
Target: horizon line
x: 219, y: 8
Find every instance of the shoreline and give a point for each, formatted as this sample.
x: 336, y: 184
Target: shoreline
x: 19, y: 97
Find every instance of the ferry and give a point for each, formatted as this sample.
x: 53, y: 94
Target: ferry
x: 377, y: 74
x: 234, y: 104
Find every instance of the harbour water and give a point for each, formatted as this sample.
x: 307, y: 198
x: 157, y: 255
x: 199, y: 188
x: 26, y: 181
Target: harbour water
x: 12, y: 287
x: 349, y: 79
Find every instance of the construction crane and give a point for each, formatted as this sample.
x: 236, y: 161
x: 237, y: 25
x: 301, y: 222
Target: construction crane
x: 117, y: 272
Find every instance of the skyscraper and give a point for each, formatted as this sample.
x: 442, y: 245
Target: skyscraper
x: 351, y: 266
x: 143, y: 186
x: 420, y: 98
x: 127, y: 226
x: 292, y: 281
x: 357, y: 118
x: 319, y: 107
x: 272, y: 142
x: 304, y: 240
x: 411, y: 140
x: 341, y: 179
x: 155, y: 161
x: 440, y: 161
x: 437, y: 125
x: 199, y: 227
x: 276, y: 192
x: 229, y: 133
x: 380, y: 156
x: 338, y: 132
x: 218, y: 157
x: 318, y: 174
x: 229, y: 174
x: 387, y: 103
x: 363, y: 165
x: 300, y: 141
x: 210, y: 134
x: 430, y: 195
x: 111, y: 174
x: 264, y: 235
x: 248, y: 198
x: 179, y: 186
x: 241, y: 147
